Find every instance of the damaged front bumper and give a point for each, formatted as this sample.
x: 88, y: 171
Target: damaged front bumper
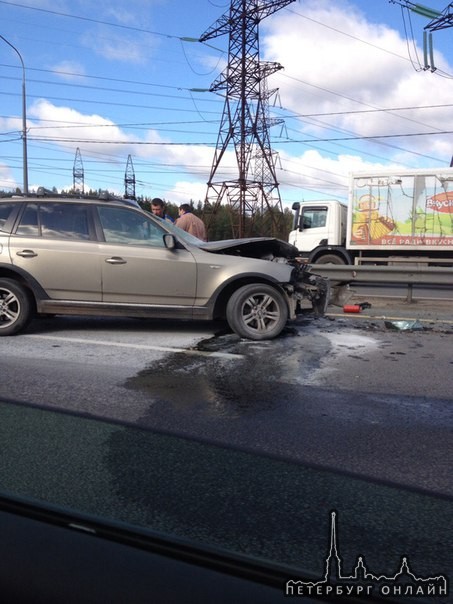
x: 308, y: 287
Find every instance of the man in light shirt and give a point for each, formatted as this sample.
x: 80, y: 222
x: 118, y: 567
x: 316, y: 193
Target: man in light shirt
x: 190, y: 223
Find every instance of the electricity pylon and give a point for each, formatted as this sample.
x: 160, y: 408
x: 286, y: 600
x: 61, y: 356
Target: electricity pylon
x: 245, y: 121
x: 129, y: 180
x: 441, y: 20
x: 78, y: 178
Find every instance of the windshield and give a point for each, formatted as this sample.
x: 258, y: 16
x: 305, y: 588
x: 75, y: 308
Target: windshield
x: 179, y: 233
x: 209, y: 495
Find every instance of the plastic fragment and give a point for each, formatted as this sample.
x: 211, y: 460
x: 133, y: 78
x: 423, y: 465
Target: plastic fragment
x: 404, y: 325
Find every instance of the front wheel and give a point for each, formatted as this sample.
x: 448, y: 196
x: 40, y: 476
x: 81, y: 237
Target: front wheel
x: 257, y: 311
x: 15, y: 307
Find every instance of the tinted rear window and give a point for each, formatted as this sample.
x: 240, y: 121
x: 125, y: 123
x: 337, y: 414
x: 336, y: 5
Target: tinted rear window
x: 55, y: 221
x: 5, y: 211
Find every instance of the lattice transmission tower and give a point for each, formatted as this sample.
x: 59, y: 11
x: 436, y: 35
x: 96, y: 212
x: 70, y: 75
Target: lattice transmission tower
x: 245, y: 123
x: 78, y: 175
x: 441, y: 20
x: 129, y: 179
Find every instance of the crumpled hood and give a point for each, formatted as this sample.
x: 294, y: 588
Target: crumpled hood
x: 251, y: 247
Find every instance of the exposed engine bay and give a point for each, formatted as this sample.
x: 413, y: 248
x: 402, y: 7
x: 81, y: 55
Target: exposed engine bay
x: 304, y: 285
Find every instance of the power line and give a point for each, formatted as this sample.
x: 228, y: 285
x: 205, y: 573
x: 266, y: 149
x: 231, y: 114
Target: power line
x: 377, y: 110
x: 311, y: 142
x: 174, y: 87
x: 91, y: 20
x: 59, y: 72
x: 343, y: 33
x: 207, y: 143
x: 185, y: 38
x: 107, y: 103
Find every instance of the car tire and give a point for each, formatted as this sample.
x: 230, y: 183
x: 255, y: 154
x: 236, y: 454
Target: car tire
x: 16, y: 308
x: 330, y: 259
x: 257, y: 311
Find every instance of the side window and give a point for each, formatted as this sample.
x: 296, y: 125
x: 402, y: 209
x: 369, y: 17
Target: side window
x: 64, y: 221
x: 126, y: 226
x: 313, y: 218
x: 29, y: 226
x: 5, y: 211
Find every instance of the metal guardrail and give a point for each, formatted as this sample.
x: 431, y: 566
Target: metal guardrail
x: 407, y: 260
x: 436, y: 275
x: 404, y: 275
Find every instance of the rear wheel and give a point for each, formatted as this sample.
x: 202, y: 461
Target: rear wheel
x: 330, y: 259
x: 257, y: 311
x: 16, y: 308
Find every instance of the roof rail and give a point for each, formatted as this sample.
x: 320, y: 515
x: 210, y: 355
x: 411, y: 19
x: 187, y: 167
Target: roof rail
x: 42, y: 192
x: 103, y: 195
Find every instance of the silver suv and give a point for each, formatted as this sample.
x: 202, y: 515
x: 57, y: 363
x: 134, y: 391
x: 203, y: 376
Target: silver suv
x: 79, y: 256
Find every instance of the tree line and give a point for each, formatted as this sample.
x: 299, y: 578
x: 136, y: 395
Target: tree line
x: 222, y: 221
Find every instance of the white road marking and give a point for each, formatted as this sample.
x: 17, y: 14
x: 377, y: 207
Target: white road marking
x: 223, y: 355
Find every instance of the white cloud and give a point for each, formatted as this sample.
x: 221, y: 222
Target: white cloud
x: 116, y: 46
x: 328, y: 72
x: 185, y: 192
x: 69, y: 70
x: 336, y: 63
x: 67, y: 127
x: 7, y: 181
x: 314, y: 176
x: 100, y: 138
x: 135, y: 13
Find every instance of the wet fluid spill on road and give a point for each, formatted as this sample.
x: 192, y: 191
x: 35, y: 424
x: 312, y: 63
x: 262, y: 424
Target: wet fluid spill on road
x: 252, y: 376
x: 230, y: 377
x: 324, y: 393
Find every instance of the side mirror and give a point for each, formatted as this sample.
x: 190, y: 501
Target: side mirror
x: 296, y: 208
x: 170, y: 241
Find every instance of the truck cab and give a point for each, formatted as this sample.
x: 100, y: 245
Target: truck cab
x: 319, y: 230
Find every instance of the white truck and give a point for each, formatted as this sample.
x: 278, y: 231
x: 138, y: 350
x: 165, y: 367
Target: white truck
x: 391, y: 216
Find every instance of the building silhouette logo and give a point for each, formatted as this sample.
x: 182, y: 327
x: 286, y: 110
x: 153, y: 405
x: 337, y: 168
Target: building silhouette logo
x: 362, y: 582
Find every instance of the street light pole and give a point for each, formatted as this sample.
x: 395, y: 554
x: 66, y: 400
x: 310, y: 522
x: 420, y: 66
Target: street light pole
x: 24, y: 117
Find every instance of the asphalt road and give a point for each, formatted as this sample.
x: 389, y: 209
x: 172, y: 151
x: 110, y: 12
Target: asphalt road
x: 242, y: 445
x: 342, y: 393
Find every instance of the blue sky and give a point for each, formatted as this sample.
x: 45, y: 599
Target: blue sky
x: 116, y: 79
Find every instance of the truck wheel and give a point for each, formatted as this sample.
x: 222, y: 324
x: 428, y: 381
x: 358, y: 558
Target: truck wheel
x: 257, y: 311
x: 330, y: 259
x: 16, y: 307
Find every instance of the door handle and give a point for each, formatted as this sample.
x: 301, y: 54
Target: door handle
x: 27, y: 254
x: 116, y: 260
